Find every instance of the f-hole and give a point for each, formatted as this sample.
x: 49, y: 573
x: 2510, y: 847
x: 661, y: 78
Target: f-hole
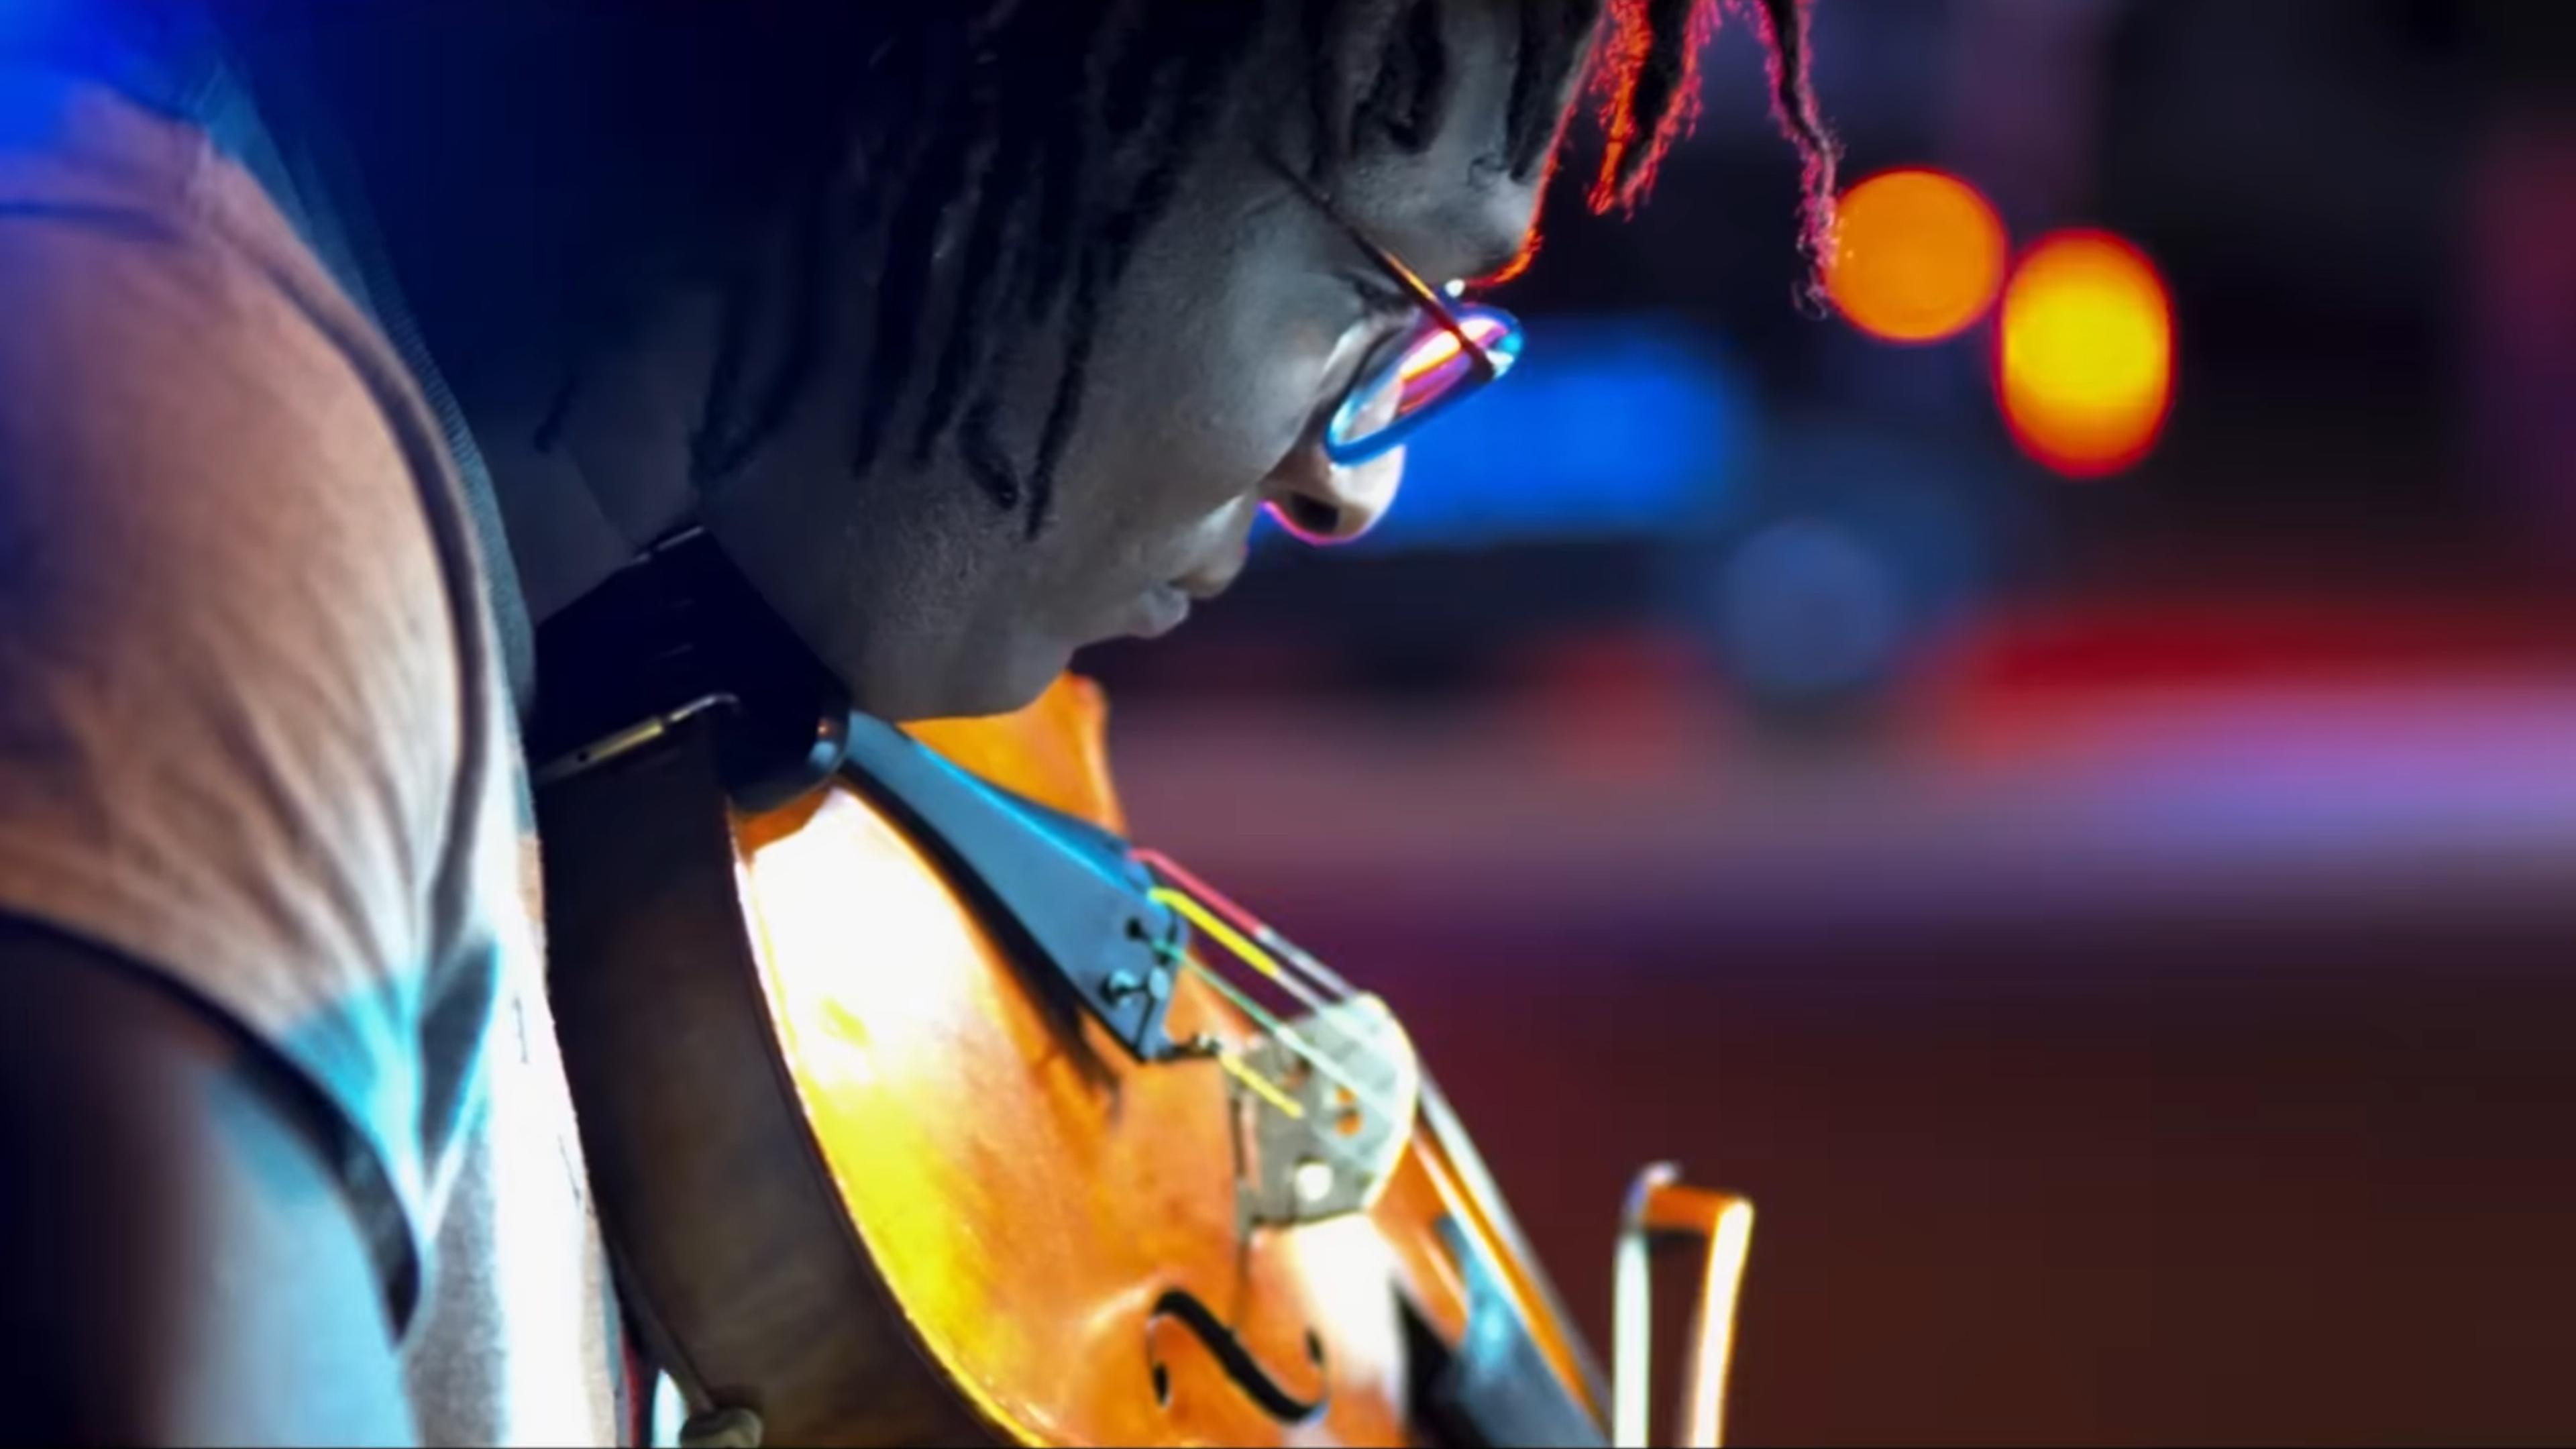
x: 1256, y: 1382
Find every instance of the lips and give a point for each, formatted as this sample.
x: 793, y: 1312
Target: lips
x: 1159, y: 610
x: 1162, y: 607
x: 1209, y: 580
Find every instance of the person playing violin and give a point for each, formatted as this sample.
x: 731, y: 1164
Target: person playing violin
x: 338, y: 342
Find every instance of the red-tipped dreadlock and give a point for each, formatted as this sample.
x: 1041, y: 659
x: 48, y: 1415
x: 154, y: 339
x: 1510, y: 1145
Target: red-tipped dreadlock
x: 1646, y: 76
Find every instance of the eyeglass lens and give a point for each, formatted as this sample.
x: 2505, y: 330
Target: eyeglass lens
x: 1427, y: 369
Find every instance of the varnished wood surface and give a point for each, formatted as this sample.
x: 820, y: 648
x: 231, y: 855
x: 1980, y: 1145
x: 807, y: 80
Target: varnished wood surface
x: 940, y: 1207
x: 728, y: 1241
x: 1029, y: 1195
x: 1055, y: 752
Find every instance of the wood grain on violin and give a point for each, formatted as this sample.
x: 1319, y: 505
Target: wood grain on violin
x: 866, y: 1179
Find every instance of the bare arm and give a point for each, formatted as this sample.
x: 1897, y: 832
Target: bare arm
x: 177, y: 1262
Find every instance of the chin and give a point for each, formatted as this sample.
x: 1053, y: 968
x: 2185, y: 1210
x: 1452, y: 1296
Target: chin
x: 996, y: 686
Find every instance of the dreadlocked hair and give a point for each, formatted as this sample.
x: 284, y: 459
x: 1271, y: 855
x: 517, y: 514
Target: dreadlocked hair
x: 992, y: 166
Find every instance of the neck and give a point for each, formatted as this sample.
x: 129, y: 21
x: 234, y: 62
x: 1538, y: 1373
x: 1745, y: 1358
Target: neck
x: 612, y: 474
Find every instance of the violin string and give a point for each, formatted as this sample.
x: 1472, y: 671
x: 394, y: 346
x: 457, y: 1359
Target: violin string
x: 1253, y: 956
x: 1202, y: 905
x: 1458, y: 1159
x: 1268, y: 1091
x: 1295, y: 955
x: 1248, y: 923
x: 1259, y: 1085
x: 1287, y: 1037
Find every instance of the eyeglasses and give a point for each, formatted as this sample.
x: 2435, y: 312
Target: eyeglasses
x: 1450, y: 353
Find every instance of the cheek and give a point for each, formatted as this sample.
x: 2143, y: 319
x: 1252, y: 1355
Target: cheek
x: 1192, y: 422
x: 1237, y: 396
x: 1230, y: 345
x: 1205, y: 378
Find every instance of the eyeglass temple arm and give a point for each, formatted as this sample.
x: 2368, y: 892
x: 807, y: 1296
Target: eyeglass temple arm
x: 1423, y: 292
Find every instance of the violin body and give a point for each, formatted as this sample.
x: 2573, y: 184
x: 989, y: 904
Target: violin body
x: 920, y: 1106
x: 864, y: 1177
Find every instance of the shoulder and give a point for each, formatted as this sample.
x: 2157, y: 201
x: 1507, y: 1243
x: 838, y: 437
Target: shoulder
x: 247, y: 727
x: 198, y: 437
x: 195, y: 470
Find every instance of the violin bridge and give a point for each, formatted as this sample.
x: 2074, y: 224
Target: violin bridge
x: 1342, y: 1086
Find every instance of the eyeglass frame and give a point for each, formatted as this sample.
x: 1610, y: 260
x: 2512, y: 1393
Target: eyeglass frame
x: 1387, y: 439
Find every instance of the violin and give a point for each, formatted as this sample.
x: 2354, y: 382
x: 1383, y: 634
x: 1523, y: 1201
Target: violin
x: 921, y: 1106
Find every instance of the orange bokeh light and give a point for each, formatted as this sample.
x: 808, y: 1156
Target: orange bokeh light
x: 1917, y: 255
x: 2084, y: 361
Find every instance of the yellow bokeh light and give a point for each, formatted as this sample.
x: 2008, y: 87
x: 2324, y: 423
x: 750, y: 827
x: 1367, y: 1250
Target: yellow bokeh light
x: 1917, y: 255
x: 2084, y: 353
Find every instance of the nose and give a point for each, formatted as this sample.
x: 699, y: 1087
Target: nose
x: 1323, y: 502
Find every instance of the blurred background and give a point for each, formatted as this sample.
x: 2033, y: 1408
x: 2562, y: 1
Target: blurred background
x: 2056, y: 774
